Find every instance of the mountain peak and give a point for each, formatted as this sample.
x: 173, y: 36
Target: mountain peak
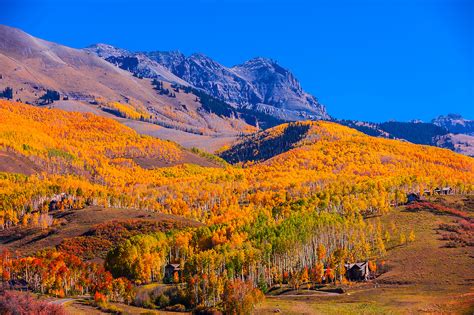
x: 261, y: 60
x: 260, y: 84
x: 450, y: 116
x: 265, y: 67
x: 105, y: 50
x: 101, y: 46
x: 455, y: 123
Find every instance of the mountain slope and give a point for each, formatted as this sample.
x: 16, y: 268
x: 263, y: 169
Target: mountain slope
x: 139, y: 64
x: 34, y: 65
x: 31, y: 67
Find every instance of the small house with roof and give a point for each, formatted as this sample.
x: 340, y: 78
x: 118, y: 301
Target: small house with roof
x: 443, y: 190
x: 358, y: 271
x: 170, y: 271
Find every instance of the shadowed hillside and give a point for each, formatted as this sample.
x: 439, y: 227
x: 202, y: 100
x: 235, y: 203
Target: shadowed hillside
x: 266, y: 144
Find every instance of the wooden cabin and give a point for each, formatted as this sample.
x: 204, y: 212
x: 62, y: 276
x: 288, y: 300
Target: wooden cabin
x: 170, y: 271
x: 443, y: 191
x: 358, y: 271
x: 446, y: 191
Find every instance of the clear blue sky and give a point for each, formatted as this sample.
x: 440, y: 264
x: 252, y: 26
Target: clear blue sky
x: 367, y: 59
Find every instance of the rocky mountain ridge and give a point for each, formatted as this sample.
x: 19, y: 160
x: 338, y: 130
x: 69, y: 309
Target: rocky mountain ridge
x: 259, y: 84
x: 455, y: 123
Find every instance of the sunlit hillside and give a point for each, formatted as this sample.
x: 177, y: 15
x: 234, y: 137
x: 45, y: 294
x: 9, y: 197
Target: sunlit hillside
x: 331, y: 161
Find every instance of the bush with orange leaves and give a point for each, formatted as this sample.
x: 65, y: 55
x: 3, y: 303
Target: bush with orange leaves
x: 99, y: 297
x: 240, y: 297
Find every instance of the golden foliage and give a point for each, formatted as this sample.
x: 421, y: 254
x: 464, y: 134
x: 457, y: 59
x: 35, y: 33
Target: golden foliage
x: 334, y: 167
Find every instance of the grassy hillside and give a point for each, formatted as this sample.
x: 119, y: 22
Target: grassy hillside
x: 89, y: 232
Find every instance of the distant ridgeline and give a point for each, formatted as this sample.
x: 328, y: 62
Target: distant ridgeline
x: 419, y: 133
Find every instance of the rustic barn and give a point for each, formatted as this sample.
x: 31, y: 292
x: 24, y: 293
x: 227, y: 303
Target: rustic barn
x: 443, y: 191
x: 170, y: 270
x: 358, y: 271
x: 446, y: 191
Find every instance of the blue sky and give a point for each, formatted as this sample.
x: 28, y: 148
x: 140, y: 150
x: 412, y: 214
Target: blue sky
x: 370, y: 59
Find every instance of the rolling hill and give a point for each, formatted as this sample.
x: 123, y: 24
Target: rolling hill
x: 54, y: 141
x: 312, y: 146
x: 443, y: 132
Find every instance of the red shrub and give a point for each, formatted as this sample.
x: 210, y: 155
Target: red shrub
x: 99, y: 297
x: 438, y: 208
x: 461, y: 233
x: 85, y: 247
x: 19, y: 303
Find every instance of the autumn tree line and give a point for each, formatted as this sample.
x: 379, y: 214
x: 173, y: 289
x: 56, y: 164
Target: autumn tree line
x: 218, y: 261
